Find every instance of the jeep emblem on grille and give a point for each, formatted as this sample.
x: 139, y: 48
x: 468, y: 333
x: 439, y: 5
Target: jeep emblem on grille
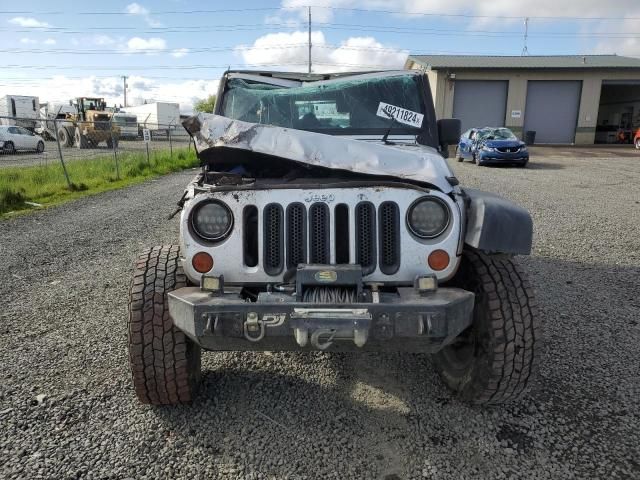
x: 326, y: 276
x: 314, y: 197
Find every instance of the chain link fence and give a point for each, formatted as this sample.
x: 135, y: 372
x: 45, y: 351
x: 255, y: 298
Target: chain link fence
x: 29, y: 142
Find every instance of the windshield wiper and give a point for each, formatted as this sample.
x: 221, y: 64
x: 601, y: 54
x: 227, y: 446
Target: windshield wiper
x: 386, y: 134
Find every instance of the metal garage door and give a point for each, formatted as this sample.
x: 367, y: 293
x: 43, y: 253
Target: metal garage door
x: 480, y: 103
x: 552, y: 110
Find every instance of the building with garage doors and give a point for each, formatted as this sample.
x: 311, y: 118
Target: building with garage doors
x: 564, y: 99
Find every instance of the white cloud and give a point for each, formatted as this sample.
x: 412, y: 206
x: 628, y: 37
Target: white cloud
x: 49, y: 41
x: 621, y: 46
x: 149, y: 45
x: 290, y: 51
x: 28, y: 41
x: 28, y: 22
x: 103, y: 40
x: 137, y: 9
x: 179, y: 52
x: 60, y: 89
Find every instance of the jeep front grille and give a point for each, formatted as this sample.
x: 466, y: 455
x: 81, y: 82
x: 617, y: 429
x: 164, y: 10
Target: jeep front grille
x: 365, y: 237
x: 319, y: 240
x: 273, y: 239
x: 294, y: 234
x: 389, y: 237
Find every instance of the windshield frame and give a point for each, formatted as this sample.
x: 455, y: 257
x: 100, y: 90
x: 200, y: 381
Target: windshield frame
x: 427, y: 134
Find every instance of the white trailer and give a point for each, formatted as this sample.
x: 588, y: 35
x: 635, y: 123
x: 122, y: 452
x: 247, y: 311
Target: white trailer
x: 158, y: 116
x: 20, y: 110
x: 128, y: 123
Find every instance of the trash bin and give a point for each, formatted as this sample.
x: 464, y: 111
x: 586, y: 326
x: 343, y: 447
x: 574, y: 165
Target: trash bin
x: 530, y: 137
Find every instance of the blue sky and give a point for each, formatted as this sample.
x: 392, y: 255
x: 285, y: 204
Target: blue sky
x: 172, y: 52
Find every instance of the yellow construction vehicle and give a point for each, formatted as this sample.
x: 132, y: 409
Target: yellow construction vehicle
x: 88, y: 125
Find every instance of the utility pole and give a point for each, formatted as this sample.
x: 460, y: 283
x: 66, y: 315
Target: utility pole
x: 525, y: 50
x: 309, y: 29
x: 124, y: 79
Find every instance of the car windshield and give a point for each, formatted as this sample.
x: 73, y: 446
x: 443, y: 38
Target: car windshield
x: 497, y: 134
x: 337, y: 107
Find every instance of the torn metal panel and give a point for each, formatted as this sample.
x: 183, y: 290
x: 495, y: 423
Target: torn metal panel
x: 409, y: 162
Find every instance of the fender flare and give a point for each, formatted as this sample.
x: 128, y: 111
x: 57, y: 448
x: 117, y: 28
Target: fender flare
x: 496, y: 225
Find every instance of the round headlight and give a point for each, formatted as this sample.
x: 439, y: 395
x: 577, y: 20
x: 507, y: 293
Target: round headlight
x: 428, y: 217
x: 212, y: 220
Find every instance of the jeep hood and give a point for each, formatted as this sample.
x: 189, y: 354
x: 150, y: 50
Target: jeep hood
x: 213, y: 134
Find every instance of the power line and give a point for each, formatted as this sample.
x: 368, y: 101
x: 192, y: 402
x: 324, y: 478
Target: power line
x: 322, y: 7
x: 333, y: 26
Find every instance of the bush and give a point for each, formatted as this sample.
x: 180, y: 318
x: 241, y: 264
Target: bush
x: 11, y: 199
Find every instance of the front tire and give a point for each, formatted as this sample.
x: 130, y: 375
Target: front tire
x: 40, y: 147
x: 9, y: 147
x: 458, y: 156
x: 165, y: 364
x: 64, y: 137
x: 81, y: 141
x: 493, y: 361
x: 638, y: 144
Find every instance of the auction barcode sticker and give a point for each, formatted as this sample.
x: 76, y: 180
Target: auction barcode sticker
x: 402, y: 115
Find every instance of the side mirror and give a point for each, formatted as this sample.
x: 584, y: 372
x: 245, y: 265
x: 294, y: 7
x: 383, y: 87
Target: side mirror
x: 449, y: 130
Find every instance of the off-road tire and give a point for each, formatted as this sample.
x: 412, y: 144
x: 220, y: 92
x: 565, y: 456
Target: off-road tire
x: 40, y: 147
x: 64, y: 137
x: 81, y: 141
x: 9, y: 147
x: 165, y: 364
x: 111, y: 143
x: 495, y: 359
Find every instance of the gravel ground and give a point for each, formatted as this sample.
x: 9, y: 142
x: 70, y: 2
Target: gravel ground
x: 67, y: 409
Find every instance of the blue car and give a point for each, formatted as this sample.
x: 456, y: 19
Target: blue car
x: 487, y: 145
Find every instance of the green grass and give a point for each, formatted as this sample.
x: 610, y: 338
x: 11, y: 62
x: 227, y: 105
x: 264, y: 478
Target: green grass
x: 46, y: 185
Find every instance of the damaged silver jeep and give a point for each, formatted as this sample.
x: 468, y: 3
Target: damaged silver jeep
x: 326, y: 218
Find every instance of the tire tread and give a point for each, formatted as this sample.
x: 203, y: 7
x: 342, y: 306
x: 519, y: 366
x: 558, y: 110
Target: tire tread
x: 165, y: 364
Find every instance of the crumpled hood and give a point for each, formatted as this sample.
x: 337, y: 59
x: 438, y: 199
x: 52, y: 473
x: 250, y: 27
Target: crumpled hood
x: 418, y: 163
x: 504, y: 143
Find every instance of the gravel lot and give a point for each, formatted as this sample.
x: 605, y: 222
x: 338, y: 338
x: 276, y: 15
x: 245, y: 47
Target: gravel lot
x: 67, y: 408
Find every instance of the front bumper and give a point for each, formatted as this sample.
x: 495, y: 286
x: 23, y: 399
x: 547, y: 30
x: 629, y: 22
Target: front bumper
x: 407, y: 321
x: 500, y: 157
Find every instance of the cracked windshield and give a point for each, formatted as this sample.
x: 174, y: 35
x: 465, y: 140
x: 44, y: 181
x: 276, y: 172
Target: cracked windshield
x: 339, y: 106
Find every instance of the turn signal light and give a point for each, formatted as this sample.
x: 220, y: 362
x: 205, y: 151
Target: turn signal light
x: 202, y: 262
x: 438, y: 260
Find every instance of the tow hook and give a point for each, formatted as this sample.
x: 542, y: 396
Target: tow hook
x: 253, y: 328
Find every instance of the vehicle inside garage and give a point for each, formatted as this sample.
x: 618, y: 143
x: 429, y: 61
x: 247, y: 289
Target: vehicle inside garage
x: 619, y: 111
